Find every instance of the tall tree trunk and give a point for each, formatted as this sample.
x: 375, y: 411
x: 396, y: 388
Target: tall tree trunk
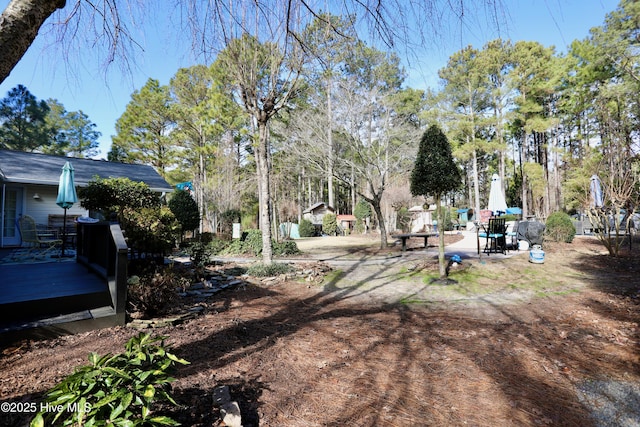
x: 525, y: 204
x: 332, y: 200
x: 375, y: 203
x: 262, y: 167
x: 476, y: 185
x: 441, y: 263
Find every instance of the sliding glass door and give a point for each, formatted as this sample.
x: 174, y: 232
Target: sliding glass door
x: 12, y: 209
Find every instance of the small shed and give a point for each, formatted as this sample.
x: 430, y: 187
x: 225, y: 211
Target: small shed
x: 420, y: 219
x: 316, y: 213
x: 346, y: 222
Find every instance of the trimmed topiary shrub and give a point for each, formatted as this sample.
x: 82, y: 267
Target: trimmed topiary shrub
x: 560, y: 228
x: 306, y: 228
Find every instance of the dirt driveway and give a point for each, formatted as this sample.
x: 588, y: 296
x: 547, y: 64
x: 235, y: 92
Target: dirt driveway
x: 511, y: 344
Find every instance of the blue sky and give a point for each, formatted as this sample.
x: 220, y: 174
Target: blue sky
x: 104, y: 97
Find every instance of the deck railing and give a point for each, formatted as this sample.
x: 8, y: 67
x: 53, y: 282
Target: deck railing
x: 102, y: 248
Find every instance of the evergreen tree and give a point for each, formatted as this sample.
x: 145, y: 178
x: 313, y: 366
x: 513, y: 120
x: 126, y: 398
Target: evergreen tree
x: 72, y: 132
x: 23, y: 120
x: 144, y: 127
x: 434, y: 174
x: 185, y: 210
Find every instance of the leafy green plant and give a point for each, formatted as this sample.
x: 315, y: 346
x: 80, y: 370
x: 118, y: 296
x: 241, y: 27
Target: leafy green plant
x: 252, y: 241
x: 115, y: 390
x: 306, y: 228
x: 275, y: 269
x: 150, y: 230
x: 329, y: 224
x: 113, y: 195
x: 287, y: 247
x: 560, y: 228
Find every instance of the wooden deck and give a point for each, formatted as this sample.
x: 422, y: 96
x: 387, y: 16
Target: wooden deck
x: 35, y: 294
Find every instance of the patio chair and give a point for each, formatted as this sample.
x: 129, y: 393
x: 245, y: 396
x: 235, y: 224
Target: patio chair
x: 511, y: 231
x: 495, y: 233
x: 39, y: 243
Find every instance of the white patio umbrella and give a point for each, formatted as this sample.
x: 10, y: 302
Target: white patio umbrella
x: 497, y: 202
x: 596, y: 192
x: 66, y: 197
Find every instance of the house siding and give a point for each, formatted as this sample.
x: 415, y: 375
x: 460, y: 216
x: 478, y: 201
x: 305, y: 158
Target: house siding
x: 40, y: 209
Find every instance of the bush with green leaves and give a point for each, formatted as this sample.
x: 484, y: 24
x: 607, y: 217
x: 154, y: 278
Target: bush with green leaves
x: 306, y: 228
x: 275, y: 269
x: 560, y: 228
x: 252, y: 240
x: 115, y: 390
x: 113, y: 195
x: 200, y: 255
x: 330, y: 224
x: 185, y: 209
x: 361, y: 212
x: 150, y: 227
x: 286, y: 247
x: 150, y: 230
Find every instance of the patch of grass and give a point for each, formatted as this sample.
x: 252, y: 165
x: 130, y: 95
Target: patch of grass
x: 332, y: 277
x: 562, y: 292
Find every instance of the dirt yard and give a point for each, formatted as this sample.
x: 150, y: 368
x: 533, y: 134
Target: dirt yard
x: 378, y: 344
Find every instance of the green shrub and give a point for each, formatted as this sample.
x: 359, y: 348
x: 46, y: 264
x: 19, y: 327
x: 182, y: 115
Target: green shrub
x: 306, y: 228
x: 150, y: 230
x: 361, y: 212
x: 112, y: 195
x: 185, y: 209
x: 120, y: 390
x: 287, y: 247
x: 253, y: 241
x: 275, y: 269
x: 560, y: 228
x: 236, y: 247
x: 217, y: 246
x: 329, y: 224
x: 200, y: 255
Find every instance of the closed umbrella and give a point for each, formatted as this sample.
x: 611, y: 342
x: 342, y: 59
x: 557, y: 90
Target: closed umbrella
x: 596, y: 192
x: 497, y: 202
x: 66, y: 197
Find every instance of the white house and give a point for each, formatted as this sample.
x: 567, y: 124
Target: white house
x: 29, y: 186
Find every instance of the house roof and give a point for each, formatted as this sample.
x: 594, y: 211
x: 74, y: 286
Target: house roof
x: 346, y: 217
x: 35, y: 168
x: 316, y: 206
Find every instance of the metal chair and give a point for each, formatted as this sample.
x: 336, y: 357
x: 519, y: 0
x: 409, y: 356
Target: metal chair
x: 39, y: 244
x: 495, y: 233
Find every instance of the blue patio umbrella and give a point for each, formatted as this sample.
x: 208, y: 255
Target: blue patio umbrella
x: 66, y: 197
